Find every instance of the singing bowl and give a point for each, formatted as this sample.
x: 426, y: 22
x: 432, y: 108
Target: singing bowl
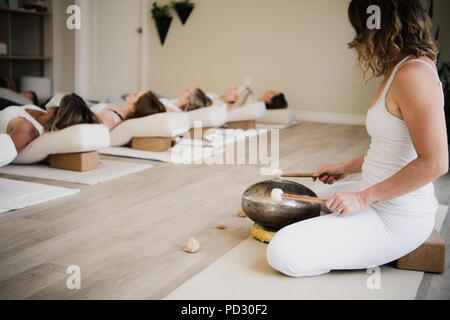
x: 259, y: 206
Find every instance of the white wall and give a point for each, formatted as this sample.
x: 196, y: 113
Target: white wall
x: 63, y: 49
x: 298, y: 47
x: 108, y: 48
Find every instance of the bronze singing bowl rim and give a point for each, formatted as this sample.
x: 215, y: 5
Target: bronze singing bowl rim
x: 262, y: 209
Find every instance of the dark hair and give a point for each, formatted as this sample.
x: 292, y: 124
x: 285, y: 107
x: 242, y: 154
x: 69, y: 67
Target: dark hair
x: 147, y: 105
x: 72, y: 110
x: 35, y: 98
x: 277, y: 102
x: 8, y: 83
x: 197, y: 100
x: 405, y: 29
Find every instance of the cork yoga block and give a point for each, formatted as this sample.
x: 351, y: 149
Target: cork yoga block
x: 203, y: 132
x: 152, y: 144
x: 429, y: 257
x: 75, y: 161
x: 243, y: 125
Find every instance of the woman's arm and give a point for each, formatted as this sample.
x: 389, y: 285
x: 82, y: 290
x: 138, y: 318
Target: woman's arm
x: 109, y: 119
x: 418, y: 96
x: 327, y: 173
x: 22, y: 132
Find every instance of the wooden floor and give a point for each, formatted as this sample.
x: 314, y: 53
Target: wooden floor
x: 127, y: 235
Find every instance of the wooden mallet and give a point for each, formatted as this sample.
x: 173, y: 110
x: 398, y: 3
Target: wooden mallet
x: 278, y: 196
x: 278, y: 174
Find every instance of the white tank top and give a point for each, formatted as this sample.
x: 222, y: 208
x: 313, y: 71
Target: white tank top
x: 6, y: 115
x: 391, y: 149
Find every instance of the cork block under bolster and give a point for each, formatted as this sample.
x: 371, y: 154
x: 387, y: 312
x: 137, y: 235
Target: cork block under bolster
x: 152, y: 144
x: 429, y: 257
x: 199, y: 133
x: 243, y: 125
x: 75, y: 161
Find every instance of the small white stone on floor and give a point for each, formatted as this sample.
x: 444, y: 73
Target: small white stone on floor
x: 191, y: 245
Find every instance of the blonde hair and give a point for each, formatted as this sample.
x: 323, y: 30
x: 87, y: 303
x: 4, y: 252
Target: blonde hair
x: 197, y: 100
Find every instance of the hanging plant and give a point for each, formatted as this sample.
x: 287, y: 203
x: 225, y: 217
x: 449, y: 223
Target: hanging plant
x: 184, y: 9
x: 163, y: 20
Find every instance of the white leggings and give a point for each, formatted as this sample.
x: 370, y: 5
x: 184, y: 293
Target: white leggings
x: 359, y: 241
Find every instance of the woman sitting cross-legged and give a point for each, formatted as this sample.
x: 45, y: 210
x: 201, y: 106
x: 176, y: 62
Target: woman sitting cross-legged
x: 391, y: 211
x: 26, y: 123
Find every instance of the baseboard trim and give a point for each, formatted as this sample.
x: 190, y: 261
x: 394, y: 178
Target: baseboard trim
x: 330, y: 117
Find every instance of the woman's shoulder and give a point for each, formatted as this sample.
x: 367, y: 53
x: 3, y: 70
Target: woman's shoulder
x: 417, y: 68
x: 416, y: 82
x: 416, y: 73
x: 34, y: 110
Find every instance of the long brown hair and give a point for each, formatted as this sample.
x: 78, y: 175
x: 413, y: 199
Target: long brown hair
x: 147, y: 105
x: 72, y: 111
x: 197, y: 100
x: 405, y: 30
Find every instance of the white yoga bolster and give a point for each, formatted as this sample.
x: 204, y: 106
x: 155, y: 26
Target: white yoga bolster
x: 79, y: 138
x: 249, y: 112
x: 170, y: 124
x: 280, y: 116
x: 211, y: 117
x: 8, y: 150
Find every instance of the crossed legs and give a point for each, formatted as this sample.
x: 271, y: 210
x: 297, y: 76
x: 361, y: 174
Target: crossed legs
x: 358, y: 241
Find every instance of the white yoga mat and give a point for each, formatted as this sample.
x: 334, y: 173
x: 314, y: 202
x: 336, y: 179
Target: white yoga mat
x: 243, y: 274
x: 107, y: 170
x: 16, y: 195
x: 222, y: 137
x: 187, y: 151
x: 225, y: 137
x: 180, y: 154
